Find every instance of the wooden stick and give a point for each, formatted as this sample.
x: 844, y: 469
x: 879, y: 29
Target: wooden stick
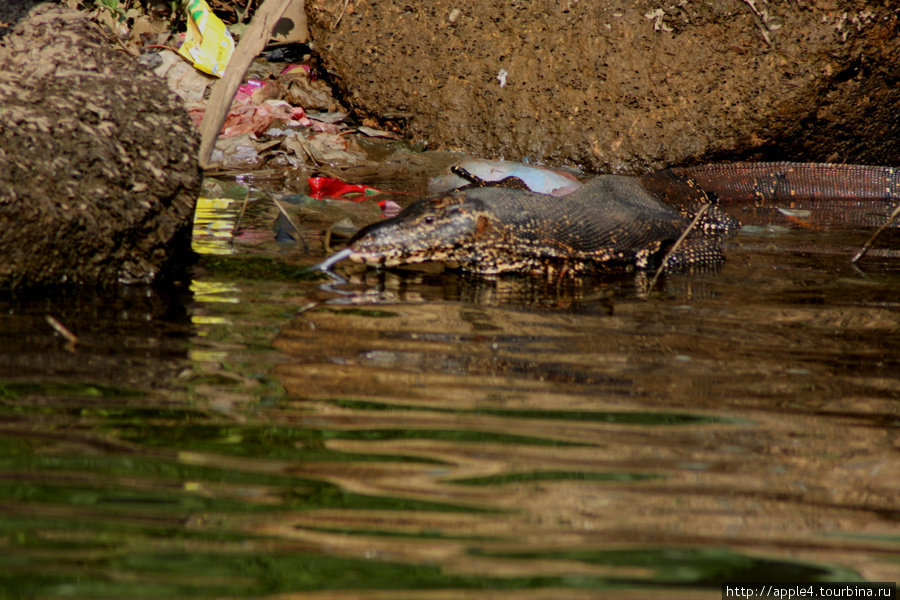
x: 879, y: 231
x: 61, y: 329
x: 340, y: 16
x: 252, y: 43
x: 675, y: 246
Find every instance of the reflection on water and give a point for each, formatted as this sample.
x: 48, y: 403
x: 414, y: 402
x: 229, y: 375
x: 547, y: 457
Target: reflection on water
x: 432, y: 435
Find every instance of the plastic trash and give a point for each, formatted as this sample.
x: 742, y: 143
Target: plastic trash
x: 538, y: 179
x: 208, y: 43
x: 331, y: 187
x: 246, y: 89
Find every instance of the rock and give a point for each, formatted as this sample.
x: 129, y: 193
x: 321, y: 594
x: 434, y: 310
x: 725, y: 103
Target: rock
x: 98, y: 159
x: 621, y: 86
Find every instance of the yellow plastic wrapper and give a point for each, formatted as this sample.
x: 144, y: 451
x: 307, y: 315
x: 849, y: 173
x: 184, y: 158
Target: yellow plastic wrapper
x: 208, y: 44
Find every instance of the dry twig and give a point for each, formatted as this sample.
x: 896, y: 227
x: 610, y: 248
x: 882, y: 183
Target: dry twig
x: 677, y: 244
x: 340, y: 16
x: 61, y: 329
x: 878, y: 232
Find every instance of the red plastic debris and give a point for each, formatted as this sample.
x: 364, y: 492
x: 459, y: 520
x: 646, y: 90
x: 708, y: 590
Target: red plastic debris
x: 245, y: 91
x: 331, y: 187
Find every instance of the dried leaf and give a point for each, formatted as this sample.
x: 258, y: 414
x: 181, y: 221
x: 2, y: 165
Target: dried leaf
x: 369, y: 131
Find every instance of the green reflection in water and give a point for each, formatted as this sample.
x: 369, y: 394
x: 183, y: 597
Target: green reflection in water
x: 208, y: 575
x: 111, y: 496
x: 263, y: 442
x: 555, y: 476
x: 110, y: 571
x: 373, y: 435
x: 706, y: 567
x: 625, y: 418
x: 15, y: 390
x: 432, y: 534
x: 151, y: 484
x: 361, y: 312
x: 302, y: 494
x: 889, y: 539
x: 258, y: 268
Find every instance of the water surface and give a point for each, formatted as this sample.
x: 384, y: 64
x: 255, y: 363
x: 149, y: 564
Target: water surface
x: 255, y: 433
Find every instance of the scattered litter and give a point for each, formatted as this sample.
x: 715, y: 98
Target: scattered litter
x: 343, y: 218
x: 538, y: 179
x: 389, y: 208
x: 334, y: 129
x: 327, y: 117
x: 282, y: 116
x: 291, y: 28
x: 371, y: 132
x: 325, y: 149
x: 281, y: 230
x: 344, y: 229
x: 297, y: 86
x: 286, y: 54
x: 795, y: 214
x: 245, y: 117
x: 657, y: 17
x: 181, y: 77
x: 501, y: 77
x: 798, y: 217
x: 208, y: 43
x: 238, y: 151
x: 246, y: 89
x: 331, y: 187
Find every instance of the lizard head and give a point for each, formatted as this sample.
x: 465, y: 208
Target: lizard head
x: 433, y: 229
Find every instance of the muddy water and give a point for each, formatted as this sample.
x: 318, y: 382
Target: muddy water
x: 430, y: 435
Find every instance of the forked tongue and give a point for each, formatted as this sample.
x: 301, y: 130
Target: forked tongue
x: 329, y: 262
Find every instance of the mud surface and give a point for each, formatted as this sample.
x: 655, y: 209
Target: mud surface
x: 98, y: 171
x: 622, y: 86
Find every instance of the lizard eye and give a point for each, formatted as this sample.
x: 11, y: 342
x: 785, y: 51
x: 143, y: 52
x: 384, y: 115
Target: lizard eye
x: 428, y: 220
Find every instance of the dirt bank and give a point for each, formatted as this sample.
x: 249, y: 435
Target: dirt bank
x: 624, y: 86
x: 98, y: 167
